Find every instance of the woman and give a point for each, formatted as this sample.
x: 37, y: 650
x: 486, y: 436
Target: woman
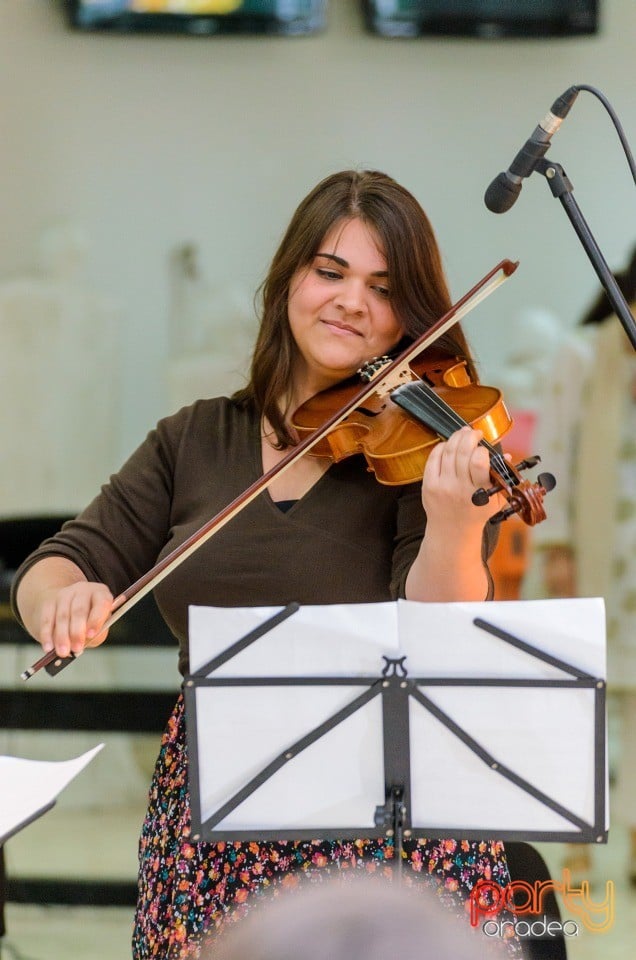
x: 358, y: 273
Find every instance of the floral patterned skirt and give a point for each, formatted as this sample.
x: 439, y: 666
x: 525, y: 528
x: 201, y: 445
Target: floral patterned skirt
x: 186, y: 890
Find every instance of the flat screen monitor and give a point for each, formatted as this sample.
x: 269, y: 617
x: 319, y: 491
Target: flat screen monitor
x: 199, y: 17
x: 487, y: 19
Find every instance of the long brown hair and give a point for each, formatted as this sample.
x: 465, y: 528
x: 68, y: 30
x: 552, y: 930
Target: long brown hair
x: 419, y: 292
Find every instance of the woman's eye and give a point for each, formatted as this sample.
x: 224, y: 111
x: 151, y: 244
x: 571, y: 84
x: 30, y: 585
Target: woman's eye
x: 328, y: 274
x: 383, y: 291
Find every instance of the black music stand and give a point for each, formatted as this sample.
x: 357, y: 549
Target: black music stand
x: 353, y: 751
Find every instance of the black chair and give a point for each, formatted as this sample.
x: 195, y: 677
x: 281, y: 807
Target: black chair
x: 526, y: 863
x: 3, y: 929
x: 19, y: 536
x: 129, y: 711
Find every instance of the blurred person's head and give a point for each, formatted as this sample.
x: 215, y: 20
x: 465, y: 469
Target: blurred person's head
x: 356, y: 919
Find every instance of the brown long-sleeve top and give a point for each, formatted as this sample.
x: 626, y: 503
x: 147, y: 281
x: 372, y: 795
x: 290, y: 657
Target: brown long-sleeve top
x: 348, y: 540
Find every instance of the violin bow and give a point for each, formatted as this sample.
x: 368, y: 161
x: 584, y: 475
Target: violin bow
x: 390, y: 376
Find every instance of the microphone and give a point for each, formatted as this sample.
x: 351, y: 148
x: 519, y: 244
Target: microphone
x: 505, y: 188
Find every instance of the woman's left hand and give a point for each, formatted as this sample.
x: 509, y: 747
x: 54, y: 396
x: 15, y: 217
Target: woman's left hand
x: 454, y: 470
x: 449, y: 565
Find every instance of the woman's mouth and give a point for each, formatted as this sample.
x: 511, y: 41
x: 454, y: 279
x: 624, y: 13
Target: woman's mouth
x: 340, y: 328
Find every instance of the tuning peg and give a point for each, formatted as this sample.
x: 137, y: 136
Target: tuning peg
x: 504, y: 514
x: 481, y: 496
x: 547, y: 481
x: 528, y: 463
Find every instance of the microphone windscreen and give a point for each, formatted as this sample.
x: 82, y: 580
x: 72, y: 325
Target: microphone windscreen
x: 501, y: 194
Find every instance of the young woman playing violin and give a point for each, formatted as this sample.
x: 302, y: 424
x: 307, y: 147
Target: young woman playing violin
x: 358, y: 273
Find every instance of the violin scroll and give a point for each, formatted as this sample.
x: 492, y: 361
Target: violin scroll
x: 524, y: 498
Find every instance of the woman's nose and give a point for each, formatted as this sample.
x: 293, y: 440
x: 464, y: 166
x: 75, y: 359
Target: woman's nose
x: 351, y: 297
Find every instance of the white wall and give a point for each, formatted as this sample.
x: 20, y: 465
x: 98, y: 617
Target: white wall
x: 148, y: 143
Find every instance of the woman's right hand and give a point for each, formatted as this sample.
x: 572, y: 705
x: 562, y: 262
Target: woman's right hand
x: 71, y: 617
x: 62, y: 609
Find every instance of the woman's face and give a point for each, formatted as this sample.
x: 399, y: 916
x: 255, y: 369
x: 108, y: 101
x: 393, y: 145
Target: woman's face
x: 339, y: 308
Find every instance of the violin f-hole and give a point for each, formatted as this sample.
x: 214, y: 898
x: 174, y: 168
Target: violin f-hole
x: 372, y: 413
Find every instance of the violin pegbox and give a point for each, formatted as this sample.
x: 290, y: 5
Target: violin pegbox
x: 371, y: 368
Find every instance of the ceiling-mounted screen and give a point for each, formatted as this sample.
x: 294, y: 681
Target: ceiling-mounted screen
x: 200, y: 17
x: 487, y: 19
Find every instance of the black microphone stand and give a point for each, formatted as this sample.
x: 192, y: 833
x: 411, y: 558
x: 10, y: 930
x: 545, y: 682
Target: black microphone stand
x: 562, y: 189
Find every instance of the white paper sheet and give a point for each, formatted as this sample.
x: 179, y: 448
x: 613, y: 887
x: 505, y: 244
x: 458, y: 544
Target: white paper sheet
x: 340, y: 640
x: 439, y: 638
x: 28, y: 788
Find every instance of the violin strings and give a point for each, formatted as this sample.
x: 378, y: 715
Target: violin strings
x: 453, y: 419
x: 450, y: 421
x: 496, y: 459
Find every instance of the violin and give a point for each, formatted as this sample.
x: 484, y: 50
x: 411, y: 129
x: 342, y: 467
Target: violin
x: 396, y: 429
x: 345, y: 428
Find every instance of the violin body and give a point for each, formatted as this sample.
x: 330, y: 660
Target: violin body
x: 395, y: 445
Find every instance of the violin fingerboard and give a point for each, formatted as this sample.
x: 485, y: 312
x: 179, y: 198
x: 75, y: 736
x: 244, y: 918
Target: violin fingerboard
x: 427, y: 407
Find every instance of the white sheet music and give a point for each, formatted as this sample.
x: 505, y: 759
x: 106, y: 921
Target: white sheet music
x: 29, y: 787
